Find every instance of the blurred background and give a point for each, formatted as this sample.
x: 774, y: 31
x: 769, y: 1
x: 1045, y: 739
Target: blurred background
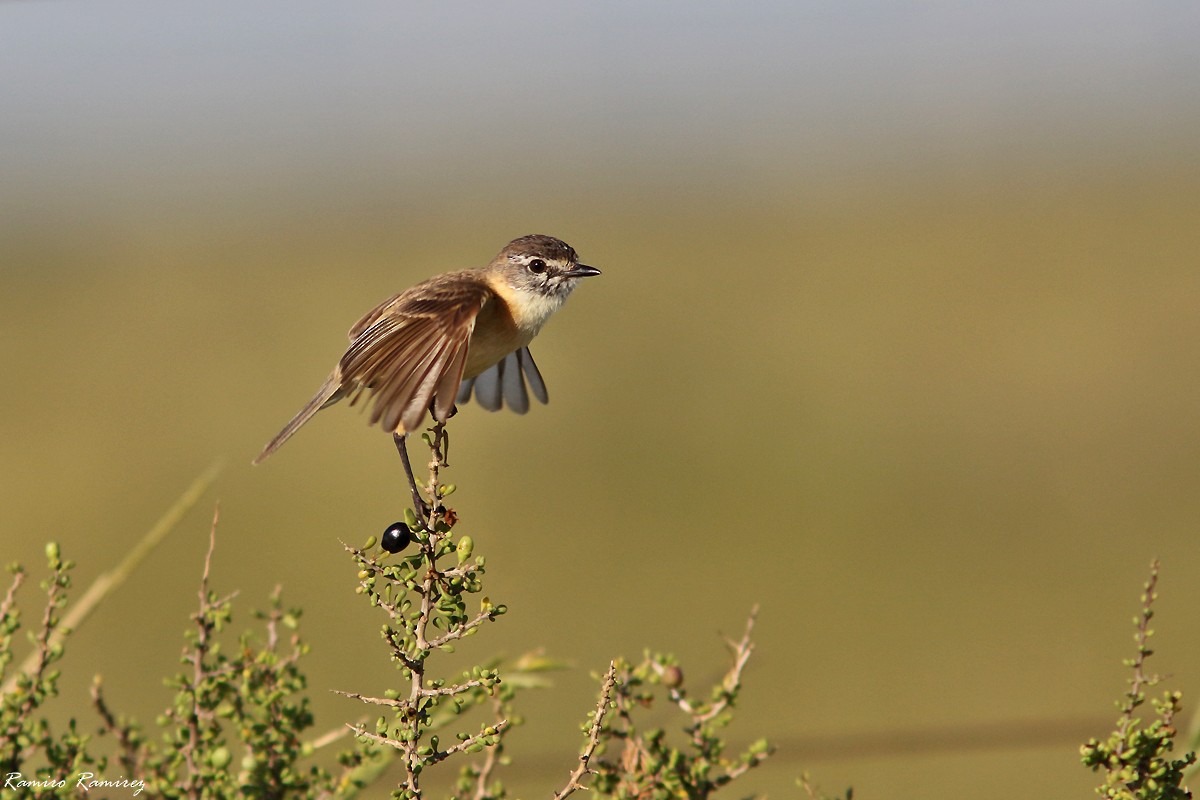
x: 896, y: 337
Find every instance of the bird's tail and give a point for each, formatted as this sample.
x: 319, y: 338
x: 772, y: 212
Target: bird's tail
x: 330, y: 392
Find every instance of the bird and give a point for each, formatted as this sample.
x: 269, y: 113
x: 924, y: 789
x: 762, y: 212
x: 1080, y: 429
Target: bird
x: 456, y: 334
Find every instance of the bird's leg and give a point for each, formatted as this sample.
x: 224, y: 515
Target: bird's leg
x: 419, y: 504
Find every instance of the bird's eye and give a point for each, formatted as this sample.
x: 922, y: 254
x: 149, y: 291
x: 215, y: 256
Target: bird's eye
x: 537, y: 266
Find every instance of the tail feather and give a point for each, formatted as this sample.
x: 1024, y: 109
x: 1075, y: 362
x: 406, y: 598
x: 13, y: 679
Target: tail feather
x: 513, y: 383
x: 330, y: 392
x: 536, y: 384
x: 505, y: 382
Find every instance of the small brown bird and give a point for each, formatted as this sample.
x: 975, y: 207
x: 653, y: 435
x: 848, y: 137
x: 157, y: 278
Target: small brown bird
x: 429, y: 347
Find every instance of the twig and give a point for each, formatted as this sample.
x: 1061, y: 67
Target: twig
x: 1136, y: 695
x: 199, y: 672
x: 810, y: 789
x: 438, y: 440
x: 602, y: 706
x: 739, y: 770
x: 491, y: 758
x: 454, y: 634
x: 131, y: 755
x: 40, y: 658
x: 733, y: 679
x: 378, y: 701
x: 10, y: 597
x: 358, y: 730
x: 491, y: 730
x: 273, y: 617
x: 6, y: 608
x: 441, y: 691
x: 439, y: 755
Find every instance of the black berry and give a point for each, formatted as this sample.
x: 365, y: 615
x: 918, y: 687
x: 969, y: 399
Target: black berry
x: 396, y: 537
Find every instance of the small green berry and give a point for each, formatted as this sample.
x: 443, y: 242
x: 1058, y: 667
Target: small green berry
x: 219, y: 758
x: 466, y: 545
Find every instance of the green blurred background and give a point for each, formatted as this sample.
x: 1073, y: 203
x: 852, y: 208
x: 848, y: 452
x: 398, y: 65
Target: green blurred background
x: 897, y: 337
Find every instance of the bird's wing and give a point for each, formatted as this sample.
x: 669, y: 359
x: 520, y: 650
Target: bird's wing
x: 411, y: 354
x: 372, y: 315
x: 505, y: 383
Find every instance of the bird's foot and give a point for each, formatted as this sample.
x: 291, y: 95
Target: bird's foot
x: 422, y: 508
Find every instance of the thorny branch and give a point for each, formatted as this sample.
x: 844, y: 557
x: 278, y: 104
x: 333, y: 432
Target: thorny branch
x: 491, y: 758
x: 648, y: 762
x: 42, y: 655
x: 10, y: 597
x: 437, y: 755
x: 602, y: 706
x: 730, y: 684
x: 1136, y: 696
x: 131, y: 755
x: 418, y: 596
x: 204, y: 631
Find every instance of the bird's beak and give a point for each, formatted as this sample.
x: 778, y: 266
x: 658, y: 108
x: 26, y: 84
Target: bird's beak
x: 581, y: 271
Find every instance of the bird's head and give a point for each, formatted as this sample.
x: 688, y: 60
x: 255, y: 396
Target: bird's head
x: 542, y: 265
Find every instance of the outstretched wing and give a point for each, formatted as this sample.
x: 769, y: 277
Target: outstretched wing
x: 505, y: 383
x: 372, y: 315
x: 409, y: 353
